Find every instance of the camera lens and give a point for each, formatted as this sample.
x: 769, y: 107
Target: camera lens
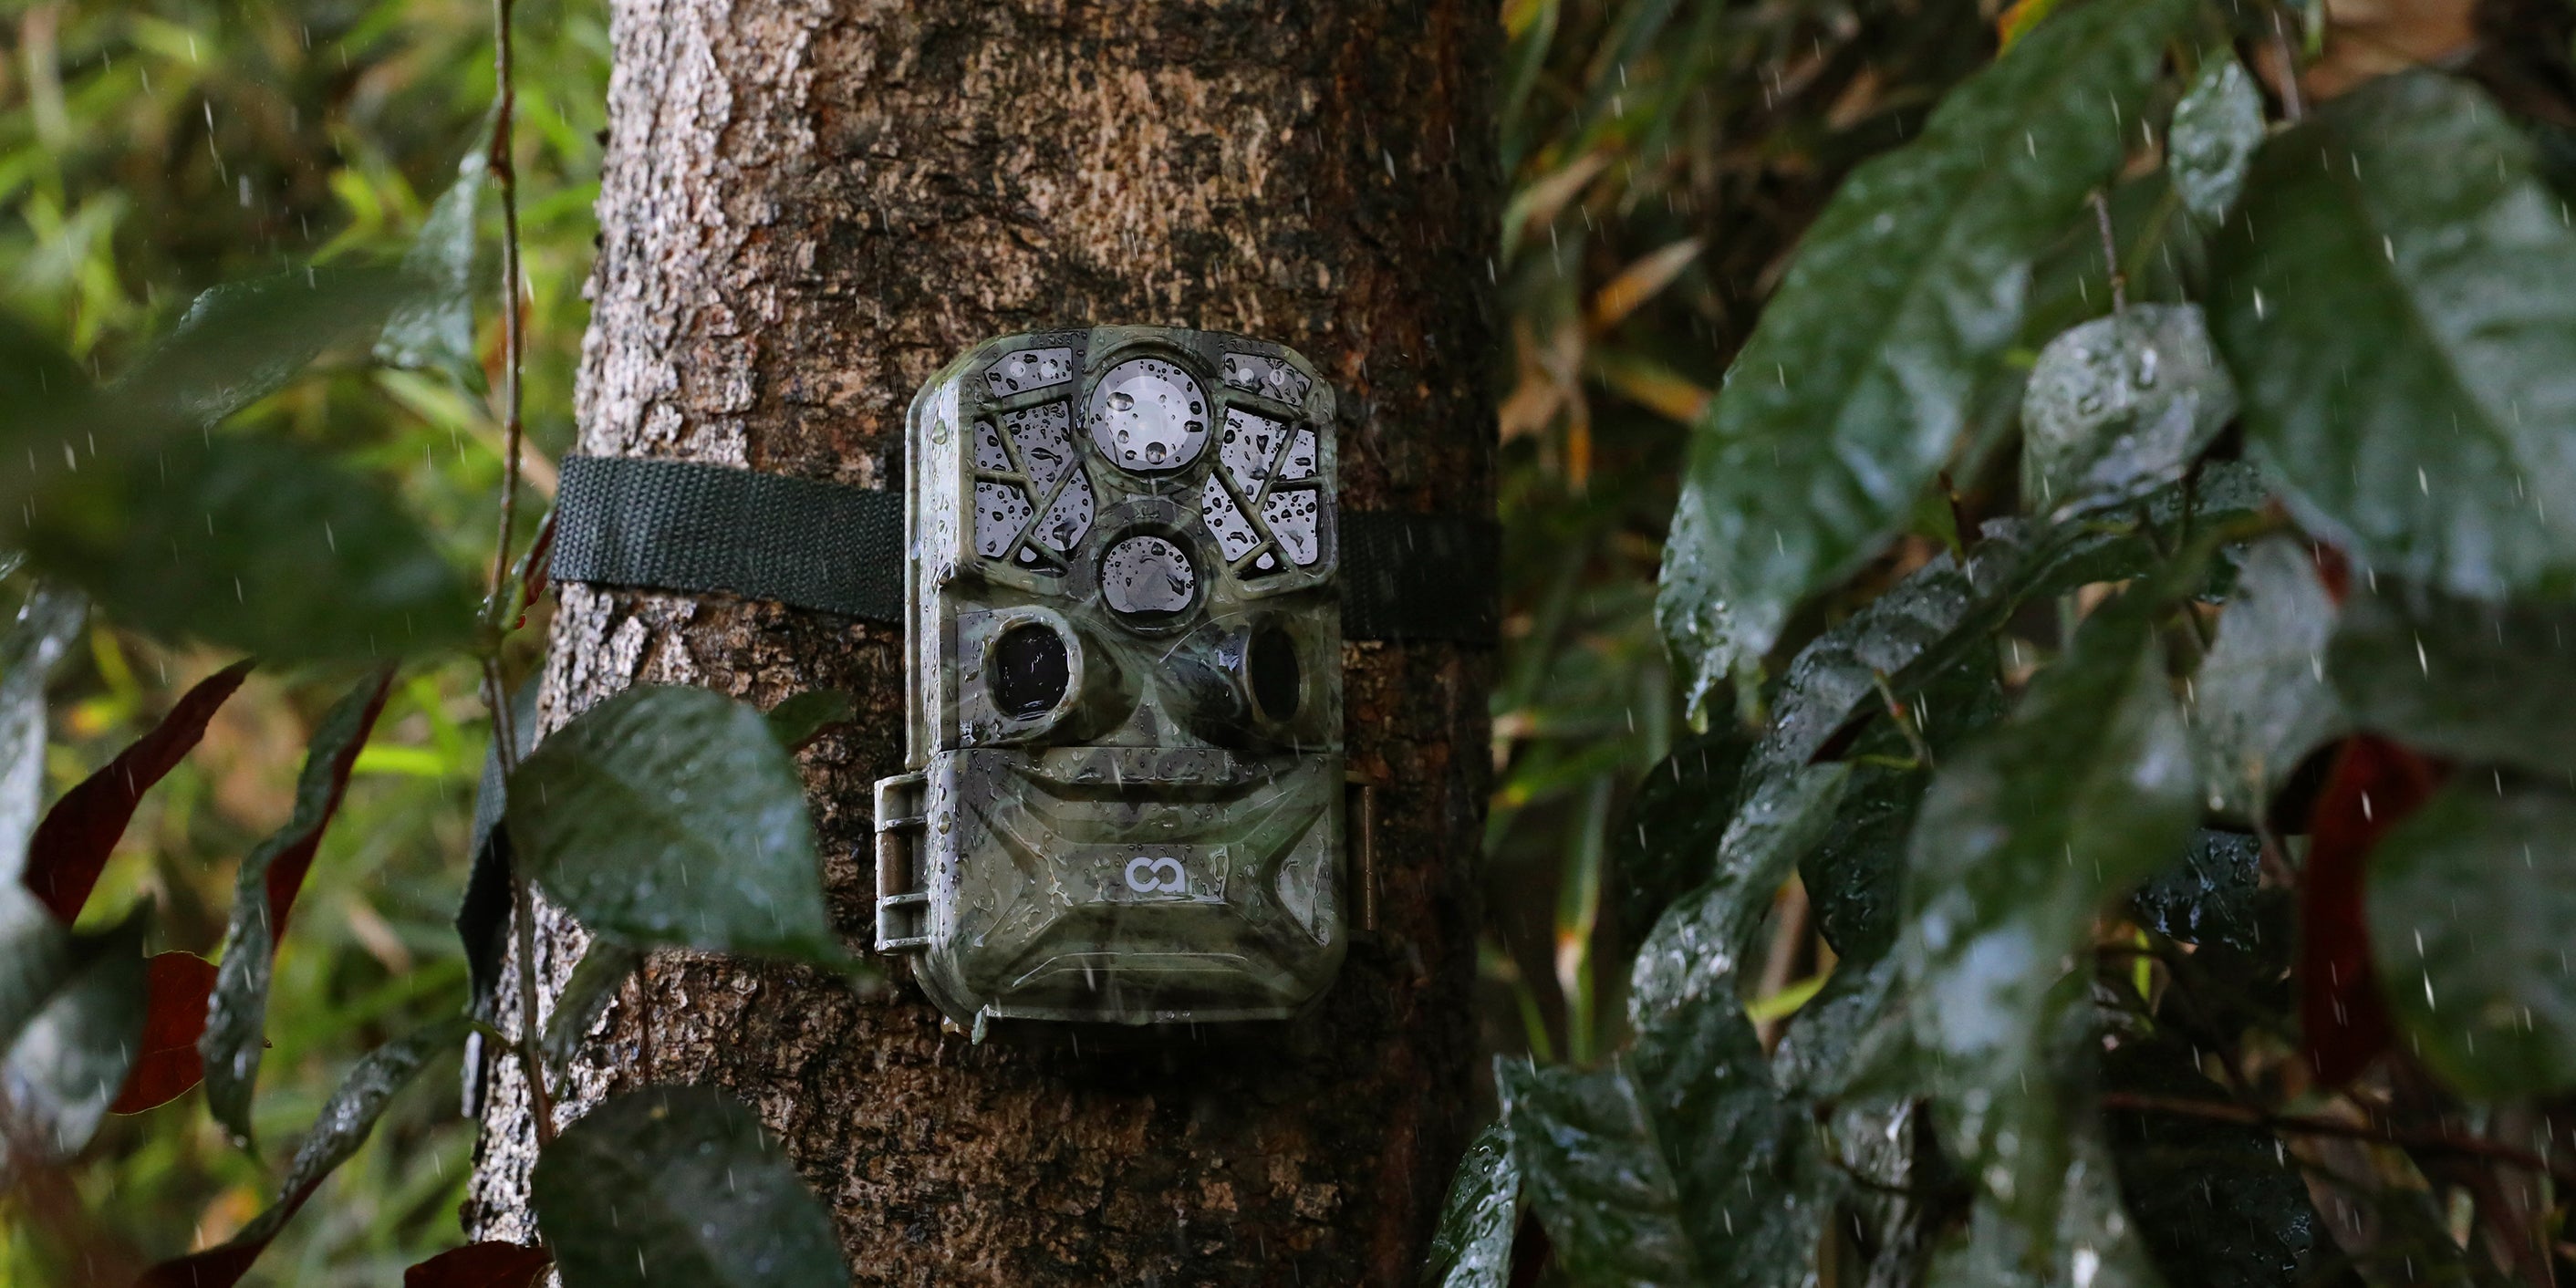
x: 1272, y: 668
x: 1029, y: 671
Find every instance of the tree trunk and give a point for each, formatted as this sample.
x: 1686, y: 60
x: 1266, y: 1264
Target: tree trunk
x: 807, y: 208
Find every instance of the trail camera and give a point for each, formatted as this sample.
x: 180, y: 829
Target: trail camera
x: 1124, y: 661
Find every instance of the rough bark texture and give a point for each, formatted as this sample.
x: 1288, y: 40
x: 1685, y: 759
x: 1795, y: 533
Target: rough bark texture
x: 807, y: 208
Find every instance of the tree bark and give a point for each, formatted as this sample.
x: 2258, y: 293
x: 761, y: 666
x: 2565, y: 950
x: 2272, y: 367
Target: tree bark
x: 806, y: 209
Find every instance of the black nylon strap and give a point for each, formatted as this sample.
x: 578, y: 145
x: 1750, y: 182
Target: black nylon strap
x: 691, y: 528
x: 678, y: 525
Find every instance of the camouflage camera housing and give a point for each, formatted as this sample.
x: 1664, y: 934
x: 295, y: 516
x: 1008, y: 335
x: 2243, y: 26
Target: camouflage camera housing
x: 1123, y: 657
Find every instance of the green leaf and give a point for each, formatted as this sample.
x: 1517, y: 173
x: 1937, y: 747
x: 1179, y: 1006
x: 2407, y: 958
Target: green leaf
x: 1693, y: 955
x: 2091, y: 1242
x: 2122, y: 404
x: 1855, y: 874
x: 1589, y: 1159
x: 1859, y: 379
x: 1472, y: 1246
x: 254, y: 543
x: 48, y: 625
x: 2216, y: 1204
x: 803, y: 717
x: 603, y: 970
x: 65, y: 1064
x: 2216, y: 128
x: 2470, y: 681
x: 679, y: 1185
x: 434, y: 329
x: 2398, y: 299
x: 2260, y: 703
x: 2225, y: 498
x: 37, y: 953
x: 671, y: 816
x: 2470, y: 900
x: 338, y: 1131
x: 1669, y: 839
x: 2086, y: 789
x: 242, y: 341
x: 2210, y: 897
x: 1939, y: 614
x: 264, y: 891
x: 1702, y: 1091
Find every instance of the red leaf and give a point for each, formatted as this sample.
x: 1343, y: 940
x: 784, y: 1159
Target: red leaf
x: 2334, y: 568
x: 177, y: 986
x: 2374, y: 784
x: 68, y: 849
x: 221, y: 1266
x: 287, y: 867
x: 481, y: 1265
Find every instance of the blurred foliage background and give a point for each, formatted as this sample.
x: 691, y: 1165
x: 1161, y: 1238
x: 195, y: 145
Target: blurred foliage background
x: 150, y: 149
x: 1662, y: 158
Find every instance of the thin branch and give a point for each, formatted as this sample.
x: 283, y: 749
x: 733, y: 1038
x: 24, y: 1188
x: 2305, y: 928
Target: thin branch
x: 2293, y: 102
x: 497, y: 602
x: 2412, y: 1141
x: 513, y: 332
x: 2111, y: 253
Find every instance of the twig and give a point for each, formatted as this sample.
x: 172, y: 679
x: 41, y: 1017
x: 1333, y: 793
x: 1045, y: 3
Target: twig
x: 513, y: 333
x: 1902, y: 716
x: 2293, y: 104
x: 2111, y: 253
x: 497, y: 602
x: 2247, y: 1115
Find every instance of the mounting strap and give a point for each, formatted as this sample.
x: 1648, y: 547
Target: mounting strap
x: 699, y: 529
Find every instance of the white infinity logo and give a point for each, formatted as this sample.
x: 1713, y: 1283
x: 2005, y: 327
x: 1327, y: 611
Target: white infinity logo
x: 1141, y: 874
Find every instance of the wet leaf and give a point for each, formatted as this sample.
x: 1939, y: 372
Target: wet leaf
x: 602, y: 971
x: 253, y: 543
x: 2373, y: 785
x: 2491, y: 684
x: 2260, y: 703
x: 47, y: 626
x: 679, y: 1185
x: 72, y: 845
x: 433, y: 329
x: 2086, y: 789
x: 2092, y: 1242
x: 2122, y: 404
x: 1853, y: 1038
x: 1702, y: 1090
x: 490, y: 1264
x: 66, y: 1062
x: 1472, y: 1246
x: 2224, y: 498
x: 1939, y: 614
x: 2398, y: 298
x: 1669, y: 839
x: 2216, y: 128
x: 177, y: 988
x: 2209, y: 897
x: 2470, y: 900
x: 1859, y: 379
x: 240, y: 342
x: 803, y: 717
x: 337, y: 1132
x: 1587, y: 1154
x: 1855, y: 874
x: 483, y: 915
x: 671, y: 816
x: 2217, y: 1204
x: 264, y: 891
